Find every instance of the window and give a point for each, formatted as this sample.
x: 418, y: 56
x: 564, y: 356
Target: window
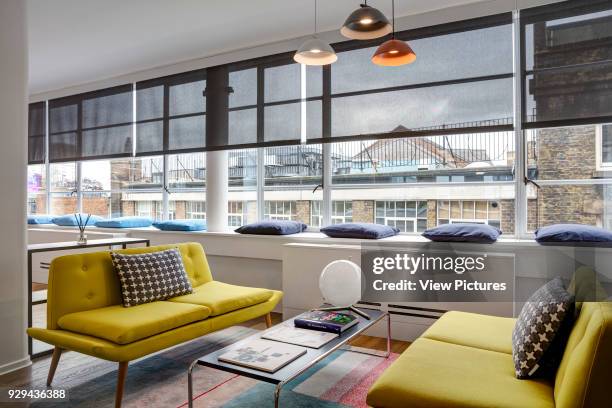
x: 566, y: 47
x: 479, y: 212
x: 170, y: 113
x: 196, y: 210
x: 605, y: 152
x: 280, y: 210
x: 445, y: 88
x: 110, y: 188
x: 292, y: 177
x: 570, y: 166
x: 37, y: 189
x: 63, y: 188
x: 242, y: 187
x: 407, y: 216
x: 235, y: 215
x: 186, y: 183
x: 397, y: 181
x: 342, y: 212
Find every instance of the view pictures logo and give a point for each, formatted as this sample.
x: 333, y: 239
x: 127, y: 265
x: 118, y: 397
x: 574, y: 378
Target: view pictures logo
x: 423, y: 263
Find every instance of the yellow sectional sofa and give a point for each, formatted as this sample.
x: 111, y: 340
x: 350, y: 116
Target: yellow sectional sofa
x: 465, y: 360
x: 85, y: 311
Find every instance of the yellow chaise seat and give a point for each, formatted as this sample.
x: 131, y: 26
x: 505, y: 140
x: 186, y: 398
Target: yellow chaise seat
x: 221, y: 298
x: 85, y: 311
x: 465, y: 360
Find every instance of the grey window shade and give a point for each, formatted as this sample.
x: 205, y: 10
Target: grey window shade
x: 567, y: 64
x: 171, y: 114
x: 37, y: 119
x: 94, y: 125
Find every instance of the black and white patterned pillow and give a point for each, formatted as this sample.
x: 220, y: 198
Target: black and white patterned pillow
x: 151, y: 276
x: 537, y: 337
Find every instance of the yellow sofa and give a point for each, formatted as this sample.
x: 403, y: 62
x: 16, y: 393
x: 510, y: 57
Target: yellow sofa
x: 465, y: 360
x: 85, y: 311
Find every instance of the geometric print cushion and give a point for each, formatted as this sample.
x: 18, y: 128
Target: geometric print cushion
x: 151, y: 276
x: 537, y: 339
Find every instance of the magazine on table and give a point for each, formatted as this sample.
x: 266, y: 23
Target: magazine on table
x: 263, y: 355
x: 334, y: 322
x: 301, y: 337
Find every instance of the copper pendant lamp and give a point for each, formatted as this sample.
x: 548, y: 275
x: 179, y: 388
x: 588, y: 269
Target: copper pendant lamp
x: 393, y: 53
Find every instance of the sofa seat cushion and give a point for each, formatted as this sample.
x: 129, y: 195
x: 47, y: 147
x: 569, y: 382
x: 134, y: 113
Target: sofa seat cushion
x: 222, y: 298
x: 432, y: 373
x: 475, y: 330
x: 123, y: 325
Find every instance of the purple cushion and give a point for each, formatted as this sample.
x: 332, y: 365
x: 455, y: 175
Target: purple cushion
x: 572, y: 233
x: 360, y: 230
x: 272, y: 227
x: 481, y: 233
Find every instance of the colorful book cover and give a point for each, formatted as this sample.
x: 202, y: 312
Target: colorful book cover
x: 334, y: 322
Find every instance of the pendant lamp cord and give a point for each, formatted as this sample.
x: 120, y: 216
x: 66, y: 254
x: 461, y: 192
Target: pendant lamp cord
x: 393, y: 19
x: 315, y: 17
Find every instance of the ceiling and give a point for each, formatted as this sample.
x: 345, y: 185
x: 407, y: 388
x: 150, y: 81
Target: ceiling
x: 72, y: 42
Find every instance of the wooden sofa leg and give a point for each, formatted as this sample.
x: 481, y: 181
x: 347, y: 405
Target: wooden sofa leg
x: 123, y: 367
x: 55, y: 358
x: 268, y: 320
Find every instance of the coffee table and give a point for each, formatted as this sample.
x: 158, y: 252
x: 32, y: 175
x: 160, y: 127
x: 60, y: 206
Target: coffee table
x: 298, y: 366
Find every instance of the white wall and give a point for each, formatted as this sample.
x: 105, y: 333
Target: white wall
x: 13, y: 139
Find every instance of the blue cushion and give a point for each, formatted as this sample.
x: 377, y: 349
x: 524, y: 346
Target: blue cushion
x: 572, y: 233
x: 272, y: 228
x: 70, y: 221
x: 125, y: 222
x: 40, y: 219
x: 181, y: 225
x: 360, y: 230
x: 481, y: 233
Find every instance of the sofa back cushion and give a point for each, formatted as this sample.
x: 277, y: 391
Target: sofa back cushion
x: 150, y: 277
x: 583, y: 377
x: 88, y: 281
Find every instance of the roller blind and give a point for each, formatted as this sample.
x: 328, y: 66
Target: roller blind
x: 36, y: 132
x: 567, y: 64
x: 171, y: 114
x: 93, y: 125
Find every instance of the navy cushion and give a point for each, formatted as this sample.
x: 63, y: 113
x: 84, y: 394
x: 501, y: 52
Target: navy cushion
x: 125, y: 222
x: 481, y: 233
x: 181, y: 225
x: 572, y: 233
x: 70, y: 221
x: 40, y: 219
x: 272, y: 227
x: 360, y: 230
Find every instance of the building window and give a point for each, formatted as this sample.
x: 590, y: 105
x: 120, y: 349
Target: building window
x: 407, y: 216
x: 235, y: 215
x: 280, y: 210
x: 479, y: 212
x: 196, y: 210
x: 606, y: 145
x: 342, y: 212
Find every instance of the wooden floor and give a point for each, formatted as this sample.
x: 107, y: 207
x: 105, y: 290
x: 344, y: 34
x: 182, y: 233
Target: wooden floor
x: 37, y: 372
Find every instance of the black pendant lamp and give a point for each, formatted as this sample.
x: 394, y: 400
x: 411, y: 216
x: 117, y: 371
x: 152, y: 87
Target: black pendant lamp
x: 366, y: 23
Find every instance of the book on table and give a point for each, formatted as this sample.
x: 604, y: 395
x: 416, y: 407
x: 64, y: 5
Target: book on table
x: 302, y: 337
x: 333, y: 322
x: 263, y: 355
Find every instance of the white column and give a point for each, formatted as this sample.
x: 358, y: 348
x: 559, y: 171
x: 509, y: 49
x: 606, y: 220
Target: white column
x: 216, y: 191
x: 13, y: 162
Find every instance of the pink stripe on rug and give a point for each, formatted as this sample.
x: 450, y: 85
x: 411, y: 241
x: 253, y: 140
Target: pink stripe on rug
x: 356, y: 396
x: 346, y: 383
